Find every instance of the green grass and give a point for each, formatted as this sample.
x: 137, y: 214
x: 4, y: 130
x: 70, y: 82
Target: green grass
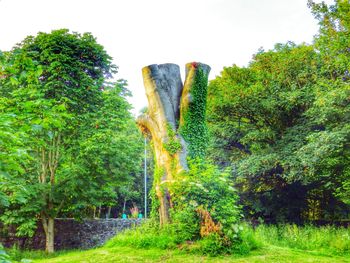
x: 129, y: 254
x: 328, y: 239
x: 286, y: 243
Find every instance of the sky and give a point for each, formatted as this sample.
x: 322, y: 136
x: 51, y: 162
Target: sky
x: 137, y: 33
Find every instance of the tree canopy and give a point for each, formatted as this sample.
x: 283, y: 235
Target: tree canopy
x: 67, y: 127
x: 282, y: 122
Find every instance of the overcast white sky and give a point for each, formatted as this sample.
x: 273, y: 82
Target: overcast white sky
x: 137, y: 33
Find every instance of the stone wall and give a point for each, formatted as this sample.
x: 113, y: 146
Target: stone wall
x: 70, y: 234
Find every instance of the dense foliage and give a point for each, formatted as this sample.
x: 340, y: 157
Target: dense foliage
x: 4, y: 257
x: 68, y: 142
x: 283, y: 123
x: 194, y: 128
x: 204, y: 206
x: 203, y: 211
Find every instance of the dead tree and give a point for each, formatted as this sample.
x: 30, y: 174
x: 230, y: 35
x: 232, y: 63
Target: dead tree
x: 175, y: 121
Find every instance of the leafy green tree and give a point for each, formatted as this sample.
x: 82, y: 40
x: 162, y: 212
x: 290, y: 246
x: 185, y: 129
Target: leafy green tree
x: 79, y: 132
x: 253, y: 112
x: 12, y: 152
x: 331, y: 112
x: 132, y: 194
x: 267, y: 121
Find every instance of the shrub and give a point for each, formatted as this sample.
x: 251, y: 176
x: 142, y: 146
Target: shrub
x: 4, y: 257
x: 204, y: 216
x: 209, y: 199
x: 13, y: 253
x: 212, y: 245
x: 134, y: 211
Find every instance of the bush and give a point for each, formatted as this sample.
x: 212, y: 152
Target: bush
x: 204, y: 217
x: 208, y: 200
x: 215, y: 244
x: 12, y: 254
x: 4, y: 257
x: 212, y: 245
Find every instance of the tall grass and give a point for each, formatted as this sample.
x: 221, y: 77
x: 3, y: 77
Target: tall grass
x: 148, y: 235
x: 335, y: 240
x: 175, y: 236
x: 328, y: 239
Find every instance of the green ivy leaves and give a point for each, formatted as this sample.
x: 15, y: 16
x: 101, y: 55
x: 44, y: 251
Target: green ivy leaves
x: 194, y: 130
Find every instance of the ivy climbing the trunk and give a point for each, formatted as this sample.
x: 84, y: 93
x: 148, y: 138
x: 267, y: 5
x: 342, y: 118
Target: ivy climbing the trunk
x: 175, y: 121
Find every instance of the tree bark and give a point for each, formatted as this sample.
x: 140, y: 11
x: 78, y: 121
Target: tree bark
x: 48, y: 225
x: 49, y: 158
x: 109, y: 212
x: 168, y: 99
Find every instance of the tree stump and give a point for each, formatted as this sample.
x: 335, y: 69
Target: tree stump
x: 175, y: 121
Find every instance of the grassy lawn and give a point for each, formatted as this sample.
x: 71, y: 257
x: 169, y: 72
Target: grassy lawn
x: 128, y: 254
x: 286, y: 243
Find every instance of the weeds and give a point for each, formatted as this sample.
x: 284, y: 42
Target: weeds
x: 335, y: 240
x: 327, y: 239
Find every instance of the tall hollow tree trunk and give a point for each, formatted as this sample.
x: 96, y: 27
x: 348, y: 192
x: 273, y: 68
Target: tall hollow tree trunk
x: 170, y: 103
